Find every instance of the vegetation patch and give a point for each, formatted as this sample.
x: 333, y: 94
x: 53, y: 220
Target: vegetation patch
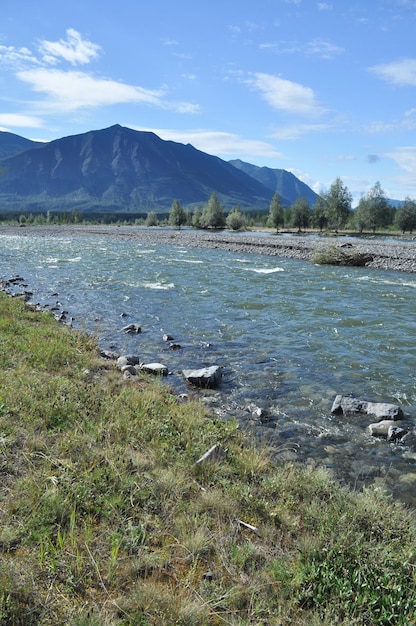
x: 336, y: 255
x: 107, y: 518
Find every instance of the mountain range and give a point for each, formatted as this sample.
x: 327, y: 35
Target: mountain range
x: 120, y: 169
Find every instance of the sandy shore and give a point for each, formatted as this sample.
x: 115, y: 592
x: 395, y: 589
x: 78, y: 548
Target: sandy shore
x: 386, y: 254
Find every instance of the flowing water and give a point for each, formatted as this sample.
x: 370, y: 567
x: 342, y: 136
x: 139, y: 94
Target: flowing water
x: 290, y: 335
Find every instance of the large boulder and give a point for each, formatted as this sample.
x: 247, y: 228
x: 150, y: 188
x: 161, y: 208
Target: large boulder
x: 207, y: 377
x: 379, y: 410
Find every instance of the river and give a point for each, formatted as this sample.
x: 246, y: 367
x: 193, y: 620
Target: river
x: 289, y: 334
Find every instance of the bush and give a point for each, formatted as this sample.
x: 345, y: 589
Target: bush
x: 335, y: 255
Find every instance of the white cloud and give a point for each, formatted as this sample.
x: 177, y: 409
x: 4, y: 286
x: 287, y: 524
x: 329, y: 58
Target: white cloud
x: 346, y: 157
x: 405, y: 157
x: 324, y: 6
x: 217, y: 142
x: 377, y: 127
x: 170, y: 42
x: 401, y: 73
x: 74, y: 90
x: 409, y: 121
x: 16, y: 57
x: 70, y: 91
x: 322, y: 48
x: 17, y: 119
x: 67, y: 91
x: 285, y: 95
x: 294, y: 132
x: 316, y: 47
x: 74, y: 49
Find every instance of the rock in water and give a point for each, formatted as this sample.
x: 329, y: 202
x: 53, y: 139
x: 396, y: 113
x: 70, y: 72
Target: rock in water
x: 208, y: 377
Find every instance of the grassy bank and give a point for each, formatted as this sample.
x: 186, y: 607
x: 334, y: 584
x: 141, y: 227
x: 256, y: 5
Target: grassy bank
x: 106, y: 518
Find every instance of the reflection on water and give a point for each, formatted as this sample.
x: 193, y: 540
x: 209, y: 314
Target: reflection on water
x: 290, y: 335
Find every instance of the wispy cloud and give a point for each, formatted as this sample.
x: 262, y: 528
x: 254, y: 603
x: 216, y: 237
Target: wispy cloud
x: 315, y: 47
x: 67, y: 90
x: 17, y: 119
x: 324, y: 6
x: 342, y: 158
x: 75, y: 49
x: 285, y: 95
x: 17, y: 57
x: 405, y: 157
x: 299, y: 130
x: 406, y: 122
x: 324, y: 49
x: 74, y: 90
x: 401, y: 72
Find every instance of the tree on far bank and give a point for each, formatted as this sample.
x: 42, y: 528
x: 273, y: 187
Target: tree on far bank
x: 337, y: 203
x: 318, y: 215
x: 235, y: 219
x: 213, y: 213
x: 300, y: 213
x: 406, y: 216
x: 177, y: 216
x: 373, y: 210
x: 151, y: 219
x: 196, y: 218
x: 276, y: 217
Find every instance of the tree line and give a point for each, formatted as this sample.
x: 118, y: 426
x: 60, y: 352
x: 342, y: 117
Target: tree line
x: 331, y: 211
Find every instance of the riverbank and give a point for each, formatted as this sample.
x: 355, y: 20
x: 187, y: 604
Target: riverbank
x: 113, y: 514
x: 397, y: 255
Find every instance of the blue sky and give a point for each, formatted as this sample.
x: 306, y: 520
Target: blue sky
x: 322, y: 89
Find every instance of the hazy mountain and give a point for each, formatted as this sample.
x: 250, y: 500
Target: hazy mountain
x: 280, y: 181
x: 396, y: 203
x: 122, y: 170
x: 11, y: 144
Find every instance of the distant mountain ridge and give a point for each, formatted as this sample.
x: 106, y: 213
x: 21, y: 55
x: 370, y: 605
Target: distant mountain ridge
x: 11, y: 144
x: 120, y: 169
x: 284, y: 183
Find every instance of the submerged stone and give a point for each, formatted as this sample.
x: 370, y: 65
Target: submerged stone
x: 380, y: 410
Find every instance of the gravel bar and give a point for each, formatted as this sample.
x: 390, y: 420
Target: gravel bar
x: 394, y: 254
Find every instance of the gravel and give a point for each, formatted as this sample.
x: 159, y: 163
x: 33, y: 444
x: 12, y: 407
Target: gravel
x: 387, y: 254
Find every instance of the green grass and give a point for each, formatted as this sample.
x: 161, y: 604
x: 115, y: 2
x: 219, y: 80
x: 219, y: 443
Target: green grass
x: 107, y: 519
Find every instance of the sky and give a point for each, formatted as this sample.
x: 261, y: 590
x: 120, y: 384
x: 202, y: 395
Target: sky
x: 321, y: 89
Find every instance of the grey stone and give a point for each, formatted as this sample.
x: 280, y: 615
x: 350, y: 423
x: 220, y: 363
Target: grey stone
x: 380, y: 410
x: 381, y: 429
x: 158, y: 369
x: 109, y: 354
x: 208, y: 377
x: 127, y: 359
x: 395, y: 433
x: 132, y: 329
